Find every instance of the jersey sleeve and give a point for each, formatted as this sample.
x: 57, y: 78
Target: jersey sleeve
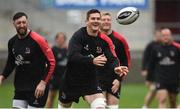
x: 146, y: 57
x: 152, y: 61
x: 10, y: 64
x: 48, y: 54
x: 122, y: 50
x: 110, y: 53
x: 74, y: 51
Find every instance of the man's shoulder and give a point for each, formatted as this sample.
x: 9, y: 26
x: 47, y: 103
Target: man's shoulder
x: 37, y: 37
x: 80, y: 31
x: 12, y: 39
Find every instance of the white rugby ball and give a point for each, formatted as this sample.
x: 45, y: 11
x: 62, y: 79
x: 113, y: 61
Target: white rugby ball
x: 127, y: 15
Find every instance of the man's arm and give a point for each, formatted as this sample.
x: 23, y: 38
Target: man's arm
x: 74, y: 51
x: 51, y: 63
x: 10, y: 64
x: 122, y: 50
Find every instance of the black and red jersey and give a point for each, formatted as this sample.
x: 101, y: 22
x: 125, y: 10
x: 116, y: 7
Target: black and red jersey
x: 60, y: 55
x: 123, y: 54
x: 165, y: 62
x: 121, y: 48
x: 82, y: 49
x: 32, y: 60
x: 146, y: 54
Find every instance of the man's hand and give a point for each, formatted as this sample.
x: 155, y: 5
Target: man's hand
x: 39, y: 92
x: 144, y: 73
x: 100, y: 60
x: 1, y: 79
x: 115, y: 87
x: 121, y: 70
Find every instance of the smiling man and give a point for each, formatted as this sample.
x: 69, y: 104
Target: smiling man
x: 89, y: 50
x: 33, y: 61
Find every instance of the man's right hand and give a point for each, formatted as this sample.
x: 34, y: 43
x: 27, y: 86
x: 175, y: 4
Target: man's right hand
x: 1, y: 79
x: 100, y: 60
x: 144, y: 73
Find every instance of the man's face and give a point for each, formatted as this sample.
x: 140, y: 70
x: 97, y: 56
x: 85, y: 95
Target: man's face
x: 60, y: 39
x: 166, y: 36
x: 94, y: 21
x: 105, y: 23
x: 21, y: 25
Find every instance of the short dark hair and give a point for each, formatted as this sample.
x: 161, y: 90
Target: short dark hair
x: 18, y: 15
x: 91, y: 12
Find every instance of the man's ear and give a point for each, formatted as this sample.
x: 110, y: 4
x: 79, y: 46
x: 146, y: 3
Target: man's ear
x: 14, y: 23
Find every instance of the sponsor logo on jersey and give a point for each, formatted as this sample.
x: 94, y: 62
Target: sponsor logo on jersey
x: 19, y: 60
x: 99, y: 49
x: 27, y: 51
x: 166, y: 61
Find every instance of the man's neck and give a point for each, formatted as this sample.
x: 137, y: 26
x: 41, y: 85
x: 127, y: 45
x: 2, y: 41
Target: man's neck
x: 91, y: 32
x: 108, y: 32
x: 23, y: 36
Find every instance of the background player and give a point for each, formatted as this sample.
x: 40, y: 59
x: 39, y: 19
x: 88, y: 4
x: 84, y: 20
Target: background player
x: 165, y: 62
x: 60, y: 53
x: 150, y: 76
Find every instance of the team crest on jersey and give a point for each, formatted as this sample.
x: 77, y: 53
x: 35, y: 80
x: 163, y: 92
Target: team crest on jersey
x: 172, y: 53
x: 27, y: 51
x: 99, y: 49
x: 86, y: 47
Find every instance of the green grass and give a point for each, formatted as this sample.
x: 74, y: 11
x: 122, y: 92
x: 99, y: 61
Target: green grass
x: 132, y: 96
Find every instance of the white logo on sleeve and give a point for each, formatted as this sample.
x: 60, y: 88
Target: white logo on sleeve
x: 86, y: 47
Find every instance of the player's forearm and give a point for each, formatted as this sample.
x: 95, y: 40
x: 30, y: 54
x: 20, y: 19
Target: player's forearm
x: 78, y: 58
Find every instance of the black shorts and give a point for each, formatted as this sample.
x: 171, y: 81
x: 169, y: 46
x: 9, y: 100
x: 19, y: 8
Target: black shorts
x: 107, y: 85
x: 54, y: 83
x: 31, y: 99
x: 72, y: 92
x: 150, y: 77
x: 172, y: 88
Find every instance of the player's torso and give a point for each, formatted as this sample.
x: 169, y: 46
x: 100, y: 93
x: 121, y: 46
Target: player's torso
x: 29, y: 63
x: 92, y: 46
x: 24, y: 51
x: 166, y: 55
x: 60, y: 56
x: 167, y: 63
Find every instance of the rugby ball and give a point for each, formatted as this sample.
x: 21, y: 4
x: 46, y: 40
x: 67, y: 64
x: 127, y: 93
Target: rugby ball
x: 127, y: 15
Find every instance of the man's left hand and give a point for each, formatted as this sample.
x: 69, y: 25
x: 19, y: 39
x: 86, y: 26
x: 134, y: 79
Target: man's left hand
x: 39, y: 92
x: 115, y: 87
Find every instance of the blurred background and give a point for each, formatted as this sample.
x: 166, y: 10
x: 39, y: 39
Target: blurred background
x: 47, y: 17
